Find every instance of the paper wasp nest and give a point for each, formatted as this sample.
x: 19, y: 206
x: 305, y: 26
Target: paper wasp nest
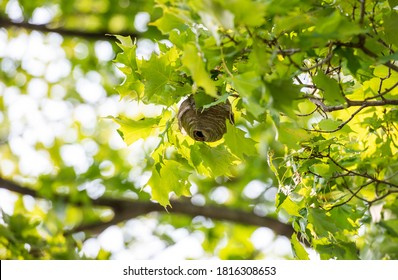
x: 206, y: 125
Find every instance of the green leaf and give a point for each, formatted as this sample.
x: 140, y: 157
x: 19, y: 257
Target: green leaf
x: 381, y: 71
x: 340, y: 251
x: 391, y: 226
x: 321, y: 169
x: 247, y: 12
x: 337, y: 26
x: 291, y: 207
x: 181, y: 38
x: 194, y: 62
x: 393, y: 3
x: 292, y: 22
x: 159, y: 75
x: 221, y: 99
x: 291, y: 134
x: 132, y: 88
x: 390, y: 27
x: 212, y: 161
x: 270, y: 161
x: 330, y: 88
x: 346, y: 217
x: 128, y: 56
x: 132, y: 130
x: 238, y: 144
x: 352, y: 60
x: 239, y: 245
x: 329, y: 124
x: 386, y: 58
x: 251, y: 89
x: 246, y: 83
x: 5, y: 232
x: 338, y: 220
x: 171, y: 19
x: 214, y: 17
x: 283, y: 94
x: 298, y: 249
x: 125, y: 42
x: 323, y: 224
x: 203, y: 100
x: 224, y: 14
x: 22, y: 226
x: 280, y: 198
x: 173, y: 177
x: 259, y: 60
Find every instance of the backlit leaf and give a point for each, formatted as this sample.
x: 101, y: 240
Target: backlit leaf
x: 298, y: 248
x: 212, y: 161
x: 238, y: 144
x: 132, y: 130
x: 323, y: 224
x: 330, y: 88
x: 171, y: 19
x: 193, y: 60
x: 172, y: 177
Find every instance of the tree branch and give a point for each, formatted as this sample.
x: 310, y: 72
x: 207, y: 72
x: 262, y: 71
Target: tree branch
x: 125, y: 209
x: 364, y: 175
x: 361, y: 45
x: 101, y: 35
x: 340, y: 126
x: 11, y: 186
x: 362, y: 15
x: 352, y: 103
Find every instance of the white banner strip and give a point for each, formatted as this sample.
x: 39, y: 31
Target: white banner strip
x: 190, y: 270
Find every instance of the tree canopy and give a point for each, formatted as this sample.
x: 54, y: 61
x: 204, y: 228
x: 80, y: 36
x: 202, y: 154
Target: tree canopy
x: 311, y: 152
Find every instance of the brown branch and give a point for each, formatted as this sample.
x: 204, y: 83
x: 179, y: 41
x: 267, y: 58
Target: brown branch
x: 381, y: 94
x: 368, y: 52
x: 101, y: 35
x: 340, y: 126
x: 321, y: 62
x: 353, y: 194
x: 364, y: 175
x: 367, y: 103
x: 11, y: 186
x: 288, y: 52
x: 125, y: 209
x: 361, y: 46
x: 383, y: 196
x: 362, y: 15
x: 352, y: 103
x: 356, y: 194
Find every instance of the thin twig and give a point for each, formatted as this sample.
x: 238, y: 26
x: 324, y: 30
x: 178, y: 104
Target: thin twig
x: 383, y: 93
x: 320, y: 63
x: 360, y: 174
x: 340, y: 126
x: 353, y: 194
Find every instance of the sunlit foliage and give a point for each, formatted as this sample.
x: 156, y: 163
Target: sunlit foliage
x: 312, y: 154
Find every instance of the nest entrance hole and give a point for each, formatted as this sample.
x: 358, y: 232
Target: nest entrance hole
x: 198, y: 135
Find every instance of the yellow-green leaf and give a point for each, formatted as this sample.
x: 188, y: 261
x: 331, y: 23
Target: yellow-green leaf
x: 193, y: 60
x: 170, y: 176
x: 298, y: 249
x: 237, y: 143
x: 132, y: 130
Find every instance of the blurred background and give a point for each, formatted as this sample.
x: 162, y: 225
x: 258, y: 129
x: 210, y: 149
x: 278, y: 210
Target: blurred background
x: 57, y: 90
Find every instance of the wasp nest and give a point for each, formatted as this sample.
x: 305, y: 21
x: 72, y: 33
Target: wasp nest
x: 204, y: 124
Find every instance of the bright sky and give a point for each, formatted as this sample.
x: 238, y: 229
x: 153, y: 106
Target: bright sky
x: 36, y: 117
